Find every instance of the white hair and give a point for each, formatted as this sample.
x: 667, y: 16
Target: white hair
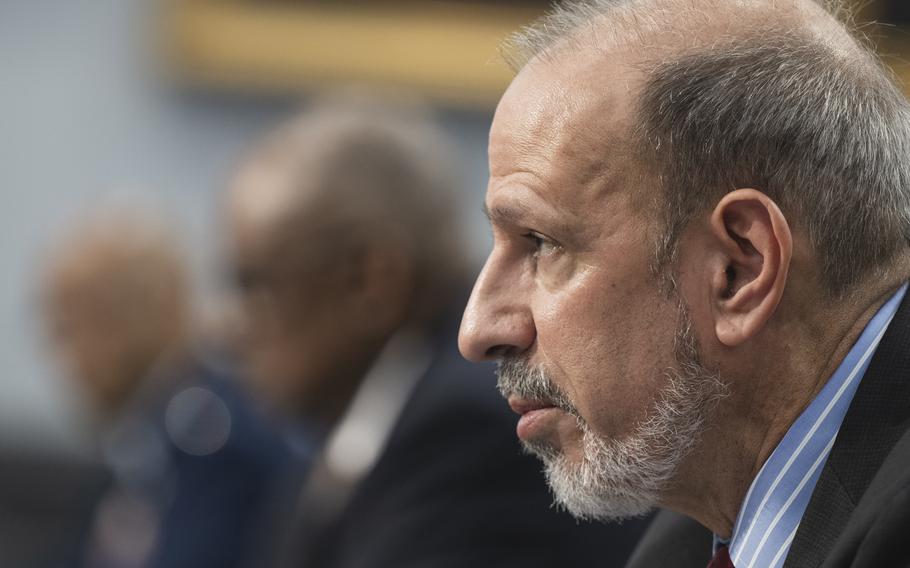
x: 621, y: 478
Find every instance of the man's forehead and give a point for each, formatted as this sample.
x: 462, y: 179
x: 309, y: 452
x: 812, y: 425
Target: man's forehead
x: 566, y: 122
x: 584, y: 88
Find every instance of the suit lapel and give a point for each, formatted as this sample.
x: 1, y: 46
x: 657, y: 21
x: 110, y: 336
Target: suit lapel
x: 674, y: 540
x: 878, y: 417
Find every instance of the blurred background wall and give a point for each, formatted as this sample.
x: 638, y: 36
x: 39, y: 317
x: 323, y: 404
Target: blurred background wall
x: 89, y: 114
x: 115, y: 100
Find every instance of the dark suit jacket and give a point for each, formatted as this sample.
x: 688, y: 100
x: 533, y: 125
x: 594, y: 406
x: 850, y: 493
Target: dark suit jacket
x: 859, y: 513
x: 212, y: 474
x: 453, y: 490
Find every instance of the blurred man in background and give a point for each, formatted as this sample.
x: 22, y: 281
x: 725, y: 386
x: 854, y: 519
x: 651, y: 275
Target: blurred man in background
x: 346, y: 249
x: 191, y: 463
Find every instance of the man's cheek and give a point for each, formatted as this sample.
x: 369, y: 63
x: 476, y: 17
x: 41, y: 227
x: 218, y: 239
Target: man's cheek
x: 614, y: 410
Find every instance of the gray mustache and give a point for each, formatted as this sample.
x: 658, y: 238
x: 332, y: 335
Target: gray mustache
x: 516, y: 377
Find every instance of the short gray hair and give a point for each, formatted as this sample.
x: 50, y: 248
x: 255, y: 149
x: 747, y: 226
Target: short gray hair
x: 381, y: 168
x: 819, y: 126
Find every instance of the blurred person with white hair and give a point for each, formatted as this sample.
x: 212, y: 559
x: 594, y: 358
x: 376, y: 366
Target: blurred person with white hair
x: 346, y: 248
x: 192, y: 463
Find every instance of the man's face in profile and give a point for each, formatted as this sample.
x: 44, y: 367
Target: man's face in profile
x: 595, y: 356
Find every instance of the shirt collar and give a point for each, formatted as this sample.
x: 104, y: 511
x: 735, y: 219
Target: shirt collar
x: 779, y: 494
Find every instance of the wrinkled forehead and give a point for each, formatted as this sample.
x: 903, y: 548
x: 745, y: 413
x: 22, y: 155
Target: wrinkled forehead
x: 569, y: 120
x: 571, y: 113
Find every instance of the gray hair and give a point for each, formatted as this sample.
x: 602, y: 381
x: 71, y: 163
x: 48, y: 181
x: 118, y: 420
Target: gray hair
x: 381, y: 169
x: 812, y: 119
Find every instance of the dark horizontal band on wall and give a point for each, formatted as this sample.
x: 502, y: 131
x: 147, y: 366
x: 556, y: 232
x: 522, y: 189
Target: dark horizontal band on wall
x: 448, y: 51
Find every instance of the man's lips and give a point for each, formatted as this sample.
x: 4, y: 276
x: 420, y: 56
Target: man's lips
x: 522, y: 406
x: 536, y: 417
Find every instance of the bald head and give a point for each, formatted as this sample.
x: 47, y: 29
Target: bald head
x: 652, y: 28
x: 116, y: 303
x: 341, y: 233
x: 351, y: 172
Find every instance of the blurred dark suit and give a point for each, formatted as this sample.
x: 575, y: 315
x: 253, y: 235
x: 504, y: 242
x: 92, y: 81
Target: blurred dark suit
x: 194, y: 467
x: 451, y: 489
x: 45, y: 503
x: 859, y: 513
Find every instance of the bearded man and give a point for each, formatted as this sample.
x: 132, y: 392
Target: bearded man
x: 700, y: 212
x: 346, y: 251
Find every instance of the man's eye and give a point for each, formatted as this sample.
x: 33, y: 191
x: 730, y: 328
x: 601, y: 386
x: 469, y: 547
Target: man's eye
x: 543, y: 246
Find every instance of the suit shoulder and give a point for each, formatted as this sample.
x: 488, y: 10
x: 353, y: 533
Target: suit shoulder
x: 673, y: 536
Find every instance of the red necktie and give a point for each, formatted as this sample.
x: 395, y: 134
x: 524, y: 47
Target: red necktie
x: 721, y: 559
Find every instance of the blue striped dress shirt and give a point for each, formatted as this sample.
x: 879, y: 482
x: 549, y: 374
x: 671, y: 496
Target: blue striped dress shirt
x: 776, y: 500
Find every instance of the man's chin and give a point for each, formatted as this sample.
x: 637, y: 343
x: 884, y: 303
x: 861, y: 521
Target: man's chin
x: 549, y: 452
x: 541, y: 450
x: 573, y: 492
x: 584, y: 489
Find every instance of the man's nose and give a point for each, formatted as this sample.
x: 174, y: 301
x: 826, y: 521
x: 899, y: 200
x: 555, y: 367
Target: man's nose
x: 497, y: 321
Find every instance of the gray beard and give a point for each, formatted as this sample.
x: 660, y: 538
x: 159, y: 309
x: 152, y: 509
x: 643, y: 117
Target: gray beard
x: 623, y: 478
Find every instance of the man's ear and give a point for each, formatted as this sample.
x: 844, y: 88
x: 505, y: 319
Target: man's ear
x: 755, y: 246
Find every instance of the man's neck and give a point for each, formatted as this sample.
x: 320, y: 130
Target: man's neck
x: 753, y: 421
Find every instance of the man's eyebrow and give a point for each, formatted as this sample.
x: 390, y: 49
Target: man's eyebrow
x: 500, y: 215
x: 522, y: 216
